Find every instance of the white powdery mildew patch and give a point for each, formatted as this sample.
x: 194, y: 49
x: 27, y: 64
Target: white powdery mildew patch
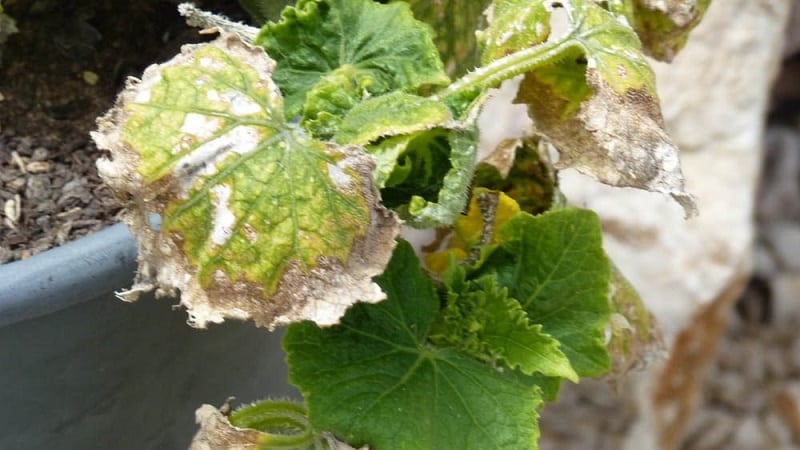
x: 224, y: 219
x: 240, y: 104
x: 339, y: 177
x: 200, y: 126
x: 144, y: 89
x: 211, y: 63
x: 203, y: 160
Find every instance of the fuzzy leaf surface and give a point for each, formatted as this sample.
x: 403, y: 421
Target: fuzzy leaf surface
x: 252, y: 208
x: 374, y: 379
x: 352, y: 47
x: 391, y: 115
x: 555, y: 266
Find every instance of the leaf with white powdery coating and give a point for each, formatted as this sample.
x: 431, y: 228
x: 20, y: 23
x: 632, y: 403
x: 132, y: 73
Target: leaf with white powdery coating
x: 513, y: 25
x: 595, y: 100
x: 259, y: 220
x: 374, y: 379
x: 391, y: 115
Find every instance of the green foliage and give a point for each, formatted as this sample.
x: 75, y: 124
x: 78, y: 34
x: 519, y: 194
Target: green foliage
x: 375, y: 379
x: 280, y: 170
x: 482, y: 320
x: 555, y: 266
x: 330, y: 53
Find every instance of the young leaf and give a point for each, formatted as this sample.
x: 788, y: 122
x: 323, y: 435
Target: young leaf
x: 555, y: 266
x: 374, y: 379
x: 483, y: 321
x: 373, y: 47
x: 259, y: 220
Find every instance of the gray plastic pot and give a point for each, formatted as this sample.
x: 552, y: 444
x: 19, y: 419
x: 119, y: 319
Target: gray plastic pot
x: 80, y: 369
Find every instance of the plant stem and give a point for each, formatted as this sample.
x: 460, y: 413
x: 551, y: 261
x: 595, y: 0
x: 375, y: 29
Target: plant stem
x: 507, y: 67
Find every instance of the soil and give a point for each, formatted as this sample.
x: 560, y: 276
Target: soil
x: 57, y: 75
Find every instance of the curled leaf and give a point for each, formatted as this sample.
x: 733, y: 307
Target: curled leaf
x: 259, y: 220
x: 391, y: 115
x: 265, y: 425
x: 664, y: 26
x: 632, y: 335
x: 598, y: 105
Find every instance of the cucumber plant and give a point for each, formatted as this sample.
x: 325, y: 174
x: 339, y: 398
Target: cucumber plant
x: 284, y: 161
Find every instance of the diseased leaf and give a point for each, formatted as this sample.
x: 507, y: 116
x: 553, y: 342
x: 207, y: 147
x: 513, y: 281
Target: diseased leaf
x: 331, y: 98
x: 423, y: 160
x: 555, y: 266
x: 483, y: 321
x: 391, y: 115
x: 374, y: 379
x: 596, y: 100
x: 265, y: 425
x: 664, y: 25
x: 633, y: 337
x: 355, y: 48
x: 259, y: 220
x: 452, y: 197
x: 471, y: 233
x: 514, y: 25
x: 530, y: 180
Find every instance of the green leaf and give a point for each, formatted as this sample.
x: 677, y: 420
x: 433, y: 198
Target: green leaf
x: 555, y: 266
x: 391, y: 115
x: 484, y: 322
x: 374, y: 379
x: 377, y: 48
x: 331, y: 98
x: 252, y: 207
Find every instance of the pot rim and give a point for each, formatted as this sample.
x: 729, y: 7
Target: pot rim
x: 78, y: 271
